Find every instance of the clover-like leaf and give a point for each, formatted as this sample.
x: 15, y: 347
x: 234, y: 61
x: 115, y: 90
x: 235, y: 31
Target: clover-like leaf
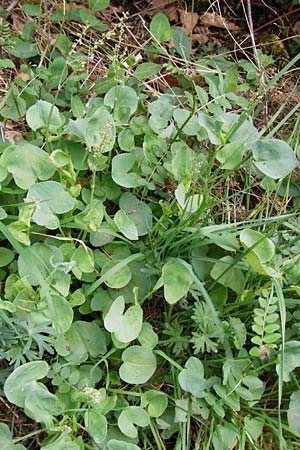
x: 126, y: 225
x: 114, y: 444
x: 100, y: 130
x: 122, y: 172
x: 27, y: 164
x: 120, y: 278
x: 44, y: 115
x: 225, y: 273
x: 156, y: 401
x: 274, y: 158
x: 126, y: 326
x: 50, y: 199
x: 96, y: 425
x: 23, y: 379
x: 177, y: 280
x: 123, y: 101
x: 192, y: 380
x: 130, y: 416
x: 139, y: 364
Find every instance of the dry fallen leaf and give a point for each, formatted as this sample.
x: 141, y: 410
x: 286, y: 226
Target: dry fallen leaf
x: 201, y: 38
x: 167, y: 7
x: 214, y: 20
x: 22, y: 76
x: 189, y: 20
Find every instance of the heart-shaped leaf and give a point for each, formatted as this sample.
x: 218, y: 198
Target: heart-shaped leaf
x: 156, y: 401
x: 177, y: 281
x: 130, y: 416
x: 44, y: 115
x: 139, y: 364
x: 27, y: 164
x: 50, y: 199
x: 192, y: 380
x: 121, y: 171
x: 126, y: 326
x: 96, y: 425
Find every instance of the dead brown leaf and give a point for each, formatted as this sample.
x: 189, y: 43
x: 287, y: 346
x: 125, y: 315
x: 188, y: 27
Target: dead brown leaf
x: 167, y: 7
x: 214, y: 20
x: 22, y: 76
x: 189, y: 20
x: 201, y: 38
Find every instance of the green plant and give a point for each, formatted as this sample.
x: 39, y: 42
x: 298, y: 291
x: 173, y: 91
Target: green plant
x: 113, y: 216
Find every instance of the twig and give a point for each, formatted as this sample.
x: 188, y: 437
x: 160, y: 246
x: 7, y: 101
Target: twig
x: 12, y: 5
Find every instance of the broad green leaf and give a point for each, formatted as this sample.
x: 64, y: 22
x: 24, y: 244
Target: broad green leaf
x: 160, y: 28
x: 130, y: 416
x: 44, y: 115
x: 224, y: 437
x: 63, y: 442
x: 156, y: 401
x: 84, y: 258
x: 126, y: 225
x: 6, y: 441
x: 231, y: 155
x: 123, y: 101
x: 211, y: 126
x: 290, y: 361
x: 139, y: 212
x: 274, y: 158
x: 100, y: 132
x: 294, y: 412
x: 182, y: 43
x: 27, y: 164
x: 139, y: 364
x: 186, y: 121
x: 121, y: 171
x: 23, y: 49
x: 6, y: 256
x: 228, y: 276
x: 49, y: 199
x: 253, y: 426
x: 147, y: 336
x: 41, y: 405
x: 113, y: 444
x: 96, y: 425
x: 63, y: 317
x: 182, y: 161
x: 126, y: 140
x: 98, y: 5
x: 177, y: 281
x: 120, y: 278
x: 191, y: 378
x: 80, y: 341
x: 146, y: 70
x: 24, y: 379
x: 126, y: 326
x: 263, y: 250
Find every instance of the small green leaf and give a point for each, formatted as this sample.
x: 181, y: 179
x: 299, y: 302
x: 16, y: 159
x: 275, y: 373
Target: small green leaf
x: 160, y: 28
x: 294, y: 412
x: 49, y: 199
x: 96, y: 425
x: 192, y: 380
x: 113, y: 444
x: 228, y: 276
x: 63, y: 314
x: 139, y: 364
x: 123, y: 101
x: 231, y: 155
x: 146, y: 70
x: 126, y: 225
x: 120, y: 278
x: 156, y: 401
x: 100, y: 130
x: 290, y: 361
x: 177, y: 281
x: 130, y: 416
x: 121, y: 171
x: 6, y: 256
x: 98, y: 5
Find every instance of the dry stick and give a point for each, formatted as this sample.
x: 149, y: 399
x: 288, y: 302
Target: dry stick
x: 12, y: 5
